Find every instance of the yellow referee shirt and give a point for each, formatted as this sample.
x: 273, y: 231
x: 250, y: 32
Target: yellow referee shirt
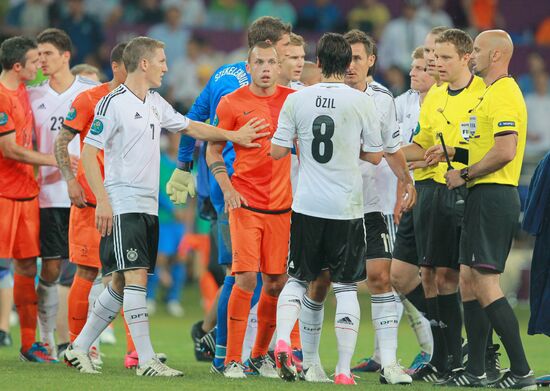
x: 420, y: 174
x: 448, y: 112
x: 501, y: 111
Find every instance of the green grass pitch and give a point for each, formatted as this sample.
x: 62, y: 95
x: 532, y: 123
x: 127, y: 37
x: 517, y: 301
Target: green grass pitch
x: 172, y: 337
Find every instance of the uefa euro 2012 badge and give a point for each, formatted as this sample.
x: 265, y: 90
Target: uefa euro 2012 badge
x: 72, y: 114
x: 97, y: 127
x: 3, y: 119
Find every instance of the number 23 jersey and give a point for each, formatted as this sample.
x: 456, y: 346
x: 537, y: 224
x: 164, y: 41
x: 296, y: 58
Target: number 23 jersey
x: 50, y: 109
x: 333, y: 123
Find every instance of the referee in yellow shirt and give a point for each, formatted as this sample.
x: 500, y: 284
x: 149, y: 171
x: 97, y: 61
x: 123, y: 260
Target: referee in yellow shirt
x: 445, y: 111
x: 498, y: 126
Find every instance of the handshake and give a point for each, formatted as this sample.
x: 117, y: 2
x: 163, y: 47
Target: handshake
x: 180, y: 185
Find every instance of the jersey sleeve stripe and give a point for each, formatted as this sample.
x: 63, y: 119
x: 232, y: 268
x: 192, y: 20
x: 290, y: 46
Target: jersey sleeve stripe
x: 6, y: 133
x: 106, y: 97
x: 506, y: 133
x: 103, y: 111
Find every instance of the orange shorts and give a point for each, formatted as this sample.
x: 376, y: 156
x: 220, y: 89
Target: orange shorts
x: 19, y: 228
x: 259, y: 241
x: 84, y: 237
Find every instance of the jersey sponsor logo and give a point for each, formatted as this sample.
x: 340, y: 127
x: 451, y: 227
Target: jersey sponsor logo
x: 156, y: 112
x: 132, y: 254
x: 247, y: 112
x: 345, y: 320
x: 3, y: 119
x: 416, y: 130
x: 137, y: 116
x: 42, y: 107
x: 465, y: 130
x: 503, y: 124
x: 97, y: 127
x: 395, y: 134
x: 72, y: 114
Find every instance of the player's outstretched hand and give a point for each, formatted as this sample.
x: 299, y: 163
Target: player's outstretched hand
x: 251, y: 131
x: 180, y: 185
x: 104, y: 217
x: 454, y: 179
x: 409, y: 197
x: 76, y: 193
x: 233, y: 199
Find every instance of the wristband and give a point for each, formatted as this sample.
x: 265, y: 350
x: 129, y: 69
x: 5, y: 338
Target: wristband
x: 461, y: 155
x: 185, y: 166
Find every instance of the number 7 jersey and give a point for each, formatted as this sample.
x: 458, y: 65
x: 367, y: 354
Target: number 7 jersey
x: 332, y: 123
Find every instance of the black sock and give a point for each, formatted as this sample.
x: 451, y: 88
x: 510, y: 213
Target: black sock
x: 439, y: 358
x: 506, y: 325
x: 417, y: 298
x: 449, y: 311
x: 490, y: 336
x: 477, y: 327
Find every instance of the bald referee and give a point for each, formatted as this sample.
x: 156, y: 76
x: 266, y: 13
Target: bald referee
x: 497, y: 142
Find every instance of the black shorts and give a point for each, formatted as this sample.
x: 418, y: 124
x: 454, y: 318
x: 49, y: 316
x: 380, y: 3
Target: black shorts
x: 318, y: 244
x: 491, y: 220
x: 133, y: 243
x: 444, y: 228
x: 54, y: 233
x: 378, y: 238
x: 405, y: 243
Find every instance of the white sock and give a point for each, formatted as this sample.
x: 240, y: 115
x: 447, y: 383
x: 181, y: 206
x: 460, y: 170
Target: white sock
x: 137, y: 318
x: 398, y: 306
x: 346, y: 324
x: 104, y: 311
x: 311, y: 325
x: 421, y: 326
x: 384, y: 319
x: 251, y: 331
x: 48, y: 303
x: 288, y: 308
x: 376, y: 352
x: 96, y: 290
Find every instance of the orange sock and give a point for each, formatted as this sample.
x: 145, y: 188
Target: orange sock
x: 295, y: 340
x: 267, y: 319
x: 78, y: 305
x: 26, y: 302
x: 237, y: 319
x: 130, y: 347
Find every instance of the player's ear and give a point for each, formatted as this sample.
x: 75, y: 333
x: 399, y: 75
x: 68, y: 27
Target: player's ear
x: 248, y: 67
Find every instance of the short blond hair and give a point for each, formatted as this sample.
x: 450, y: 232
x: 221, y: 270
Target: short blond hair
x: 139, y: 48
x: 85, y: 69
x: 418, y: 53
x: 297, y: 40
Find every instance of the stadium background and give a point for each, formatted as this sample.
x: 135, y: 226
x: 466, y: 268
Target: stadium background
x: 201, y: 35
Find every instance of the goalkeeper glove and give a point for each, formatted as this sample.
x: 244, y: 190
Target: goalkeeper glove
x: 181, y: 184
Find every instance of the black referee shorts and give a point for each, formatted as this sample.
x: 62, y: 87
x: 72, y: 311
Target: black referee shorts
x: 445, y: 225
x: 133, y: 243
x: 491, y: 221
x: 318, y: 244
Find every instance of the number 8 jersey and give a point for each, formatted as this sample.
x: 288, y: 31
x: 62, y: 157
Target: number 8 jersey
x: 50, y: 109
x: 332, y: 123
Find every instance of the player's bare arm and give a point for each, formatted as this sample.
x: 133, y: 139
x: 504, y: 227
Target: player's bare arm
x: 371, y: 157
x: 214, y: 159
x: 245, y: 136
x: 279, y: 152
x: 66, y: 166
x: 103, y: 210
x: 398, y: 165
x: 502, y: 153
x: 413, y: 152
x: 11, y: 150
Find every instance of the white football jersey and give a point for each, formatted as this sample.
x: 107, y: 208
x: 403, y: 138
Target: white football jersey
x: 379, y: 182
x: 333, y: 123
x: 50, y: 109
x: 294, y: 161
x: 128, y: 130
x: 408, y: 110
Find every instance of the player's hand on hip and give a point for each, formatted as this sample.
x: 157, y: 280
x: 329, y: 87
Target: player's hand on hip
x: 233, y: 199
x: 180, y: 185
x: 76, y: 193
x: 104, y: 217
x: 409, y: 197
x: 454, y: 179
x: 251, y: 131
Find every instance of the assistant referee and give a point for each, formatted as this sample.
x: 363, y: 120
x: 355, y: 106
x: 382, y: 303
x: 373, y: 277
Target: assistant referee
x: 497, y: 142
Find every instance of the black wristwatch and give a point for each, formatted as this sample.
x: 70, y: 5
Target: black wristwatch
x: 465, y: 174
x: 185, y: 166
